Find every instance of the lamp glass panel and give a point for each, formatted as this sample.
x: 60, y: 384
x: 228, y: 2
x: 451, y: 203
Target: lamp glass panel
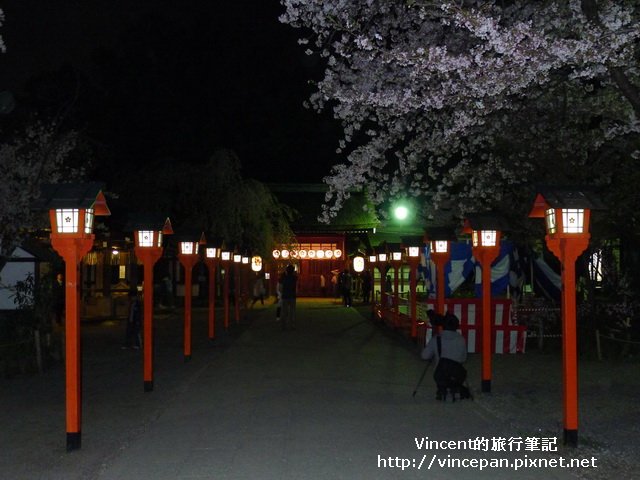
x: 474, y: 238
x: 337, y: 253
x: 145, y: 238
x: 88, y: 220
x: 358, y: 264
x: 382, y: 257
x: 245, y: 260
x: 550, y: 219
x: 440, y: 246
x: 159, y: 239
x: 489, y: 238
x: 237, y: 258
x: 573, y: 220
x: 372, y: 258
x: 67, y: 220
x: 414, y: 251
x: 186, y: 248
x: 225, y: 256
x: 211, y: 252
x: 396, y: 256
x: 256, y: 263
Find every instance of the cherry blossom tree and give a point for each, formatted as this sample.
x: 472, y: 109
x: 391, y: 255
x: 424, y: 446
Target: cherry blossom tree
x: 3, y: 48
x: 28, y: 159
x: 465, y: 104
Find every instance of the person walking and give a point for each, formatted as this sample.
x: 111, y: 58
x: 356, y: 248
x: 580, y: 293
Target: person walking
x: 289, y: 283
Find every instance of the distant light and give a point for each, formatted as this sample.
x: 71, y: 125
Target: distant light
x: 401, y: 212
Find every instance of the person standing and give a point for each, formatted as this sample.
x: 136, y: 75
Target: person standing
x: 134, y: 321
x: 258, y: 291
x: 367, y: 282
x: 59, y: 300
x: 345, y: 287
x: 289, y: 293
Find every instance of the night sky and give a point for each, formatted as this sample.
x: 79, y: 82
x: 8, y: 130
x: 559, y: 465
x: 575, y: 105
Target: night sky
x: 149, y: 80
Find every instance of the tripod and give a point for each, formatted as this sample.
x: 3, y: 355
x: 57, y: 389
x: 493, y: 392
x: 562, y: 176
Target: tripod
x: 421, y: 378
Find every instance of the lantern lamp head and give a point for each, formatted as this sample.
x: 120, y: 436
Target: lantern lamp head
x: 358, y: 263
x: 256, y: 263
x: 149, y: 229
x: 72, y: 206
x: 566, y: 210
x: 440, y: 238
x: 485, y: 228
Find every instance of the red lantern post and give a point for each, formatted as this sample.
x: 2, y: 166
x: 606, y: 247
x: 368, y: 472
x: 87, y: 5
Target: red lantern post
x: 148, y: 249
x: 412, y: 247
x: 567, y: 213
x: 212, y: 259
x: 225, y: 257
x: 72, y: 208
x: 440, y: 254
x: 485, y: 243
x: 188, y: 257
x: 396, y: 262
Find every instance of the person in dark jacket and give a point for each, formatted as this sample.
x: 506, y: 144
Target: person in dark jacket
x: 289, y: 282
x: 134, y: 321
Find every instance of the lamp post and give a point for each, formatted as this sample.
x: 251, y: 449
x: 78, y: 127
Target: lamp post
x: 225, y: 258
x: 212, y: 259
x: 237, y: 261
x: 567, y: 213
x: 188, y: 257
x: 72, y: 208
x: 440, y: 252
x: 383, y: 267
x: 412, y: 248
x: 148, y: 249
x: 396, y: 262
x: 485, y: 232
x: 372, y: 265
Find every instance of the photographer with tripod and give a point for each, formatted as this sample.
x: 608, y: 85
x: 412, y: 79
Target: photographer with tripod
x: 449, y: 350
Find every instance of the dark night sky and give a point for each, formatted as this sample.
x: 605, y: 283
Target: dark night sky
x: 173, y: 79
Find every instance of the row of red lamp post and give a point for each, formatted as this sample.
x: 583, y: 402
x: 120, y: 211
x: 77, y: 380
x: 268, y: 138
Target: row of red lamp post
x: 72, y: 208
x: 567, y: 213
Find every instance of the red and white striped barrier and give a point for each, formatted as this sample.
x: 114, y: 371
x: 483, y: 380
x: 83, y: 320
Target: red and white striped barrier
x: 507, y: 338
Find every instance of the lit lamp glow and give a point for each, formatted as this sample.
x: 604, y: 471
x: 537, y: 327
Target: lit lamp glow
x: 358, y: 264
x: 567, y: 213
x: 256, y: 263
